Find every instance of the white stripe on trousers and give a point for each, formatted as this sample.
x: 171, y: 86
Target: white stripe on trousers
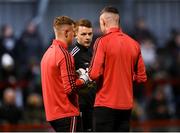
x: 73, y: 124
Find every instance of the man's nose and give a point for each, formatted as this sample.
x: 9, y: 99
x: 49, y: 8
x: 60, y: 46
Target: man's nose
x: 88, y: 36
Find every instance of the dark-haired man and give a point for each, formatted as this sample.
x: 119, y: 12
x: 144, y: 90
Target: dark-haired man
x: 116, y: 63
x: 82, y: 55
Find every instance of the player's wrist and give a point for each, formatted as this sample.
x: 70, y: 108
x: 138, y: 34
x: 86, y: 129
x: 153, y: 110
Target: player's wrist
x: 84, y: 77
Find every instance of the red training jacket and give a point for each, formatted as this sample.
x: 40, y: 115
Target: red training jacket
x: 59, y: 82
x: 116, y: 62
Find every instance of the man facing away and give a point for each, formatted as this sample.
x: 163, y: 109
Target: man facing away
x: 82, y: 54
x: 116, y: 63
x: 59, y: 80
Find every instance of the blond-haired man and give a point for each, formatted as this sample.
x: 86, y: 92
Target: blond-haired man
x: 59, y: 80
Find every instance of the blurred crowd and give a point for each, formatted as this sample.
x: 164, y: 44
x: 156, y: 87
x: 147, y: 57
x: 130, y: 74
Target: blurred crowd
x: 20, y: 83
x: 160, y: 97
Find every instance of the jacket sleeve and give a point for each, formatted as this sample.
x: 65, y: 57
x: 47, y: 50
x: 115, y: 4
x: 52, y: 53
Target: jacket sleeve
x: 96, y: 67
x: 68, y: 75
x: 140, y: 70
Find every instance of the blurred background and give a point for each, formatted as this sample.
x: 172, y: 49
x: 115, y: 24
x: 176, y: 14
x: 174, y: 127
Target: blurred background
x: 26, y: 32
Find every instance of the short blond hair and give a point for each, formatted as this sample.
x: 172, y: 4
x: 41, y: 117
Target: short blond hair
x: 62, y: 20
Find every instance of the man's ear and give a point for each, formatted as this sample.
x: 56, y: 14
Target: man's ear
x: 66, y: 33
x: 75, y: 34
x: 104, y: 23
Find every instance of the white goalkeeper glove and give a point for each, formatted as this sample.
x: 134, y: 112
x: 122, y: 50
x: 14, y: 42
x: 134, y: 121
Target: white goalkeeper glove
x: 83, y: 74
x: 85, y: 77
x: 81, y: 71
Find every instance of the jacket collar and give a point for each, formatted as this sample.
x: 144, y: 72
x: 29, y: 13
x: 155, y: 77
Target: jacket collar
x: 58, y: 42
x: 81, y: 47
x: 114, y: 30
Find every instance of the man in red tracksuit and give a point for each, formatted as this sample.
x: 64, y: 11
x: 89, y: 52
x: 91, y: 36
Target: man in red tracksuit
x: 59, y: 81
x: 116, y: 64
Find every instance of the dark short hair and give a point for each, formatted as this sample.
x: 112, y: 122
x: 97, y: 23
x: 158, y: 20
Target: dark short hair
x: 109, y: 9
x: 84, y: 22
x: 62, y: 20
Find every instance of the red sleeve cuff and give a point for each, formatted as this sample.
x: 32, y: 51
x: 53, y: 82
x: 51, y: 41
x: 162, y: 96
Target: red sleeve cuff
x: 79, y: 82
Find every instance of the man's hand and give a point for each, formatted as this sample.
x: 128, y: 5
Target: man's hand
x: 81, y: 71
x: 83, y: 74
x: 85, y: 78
